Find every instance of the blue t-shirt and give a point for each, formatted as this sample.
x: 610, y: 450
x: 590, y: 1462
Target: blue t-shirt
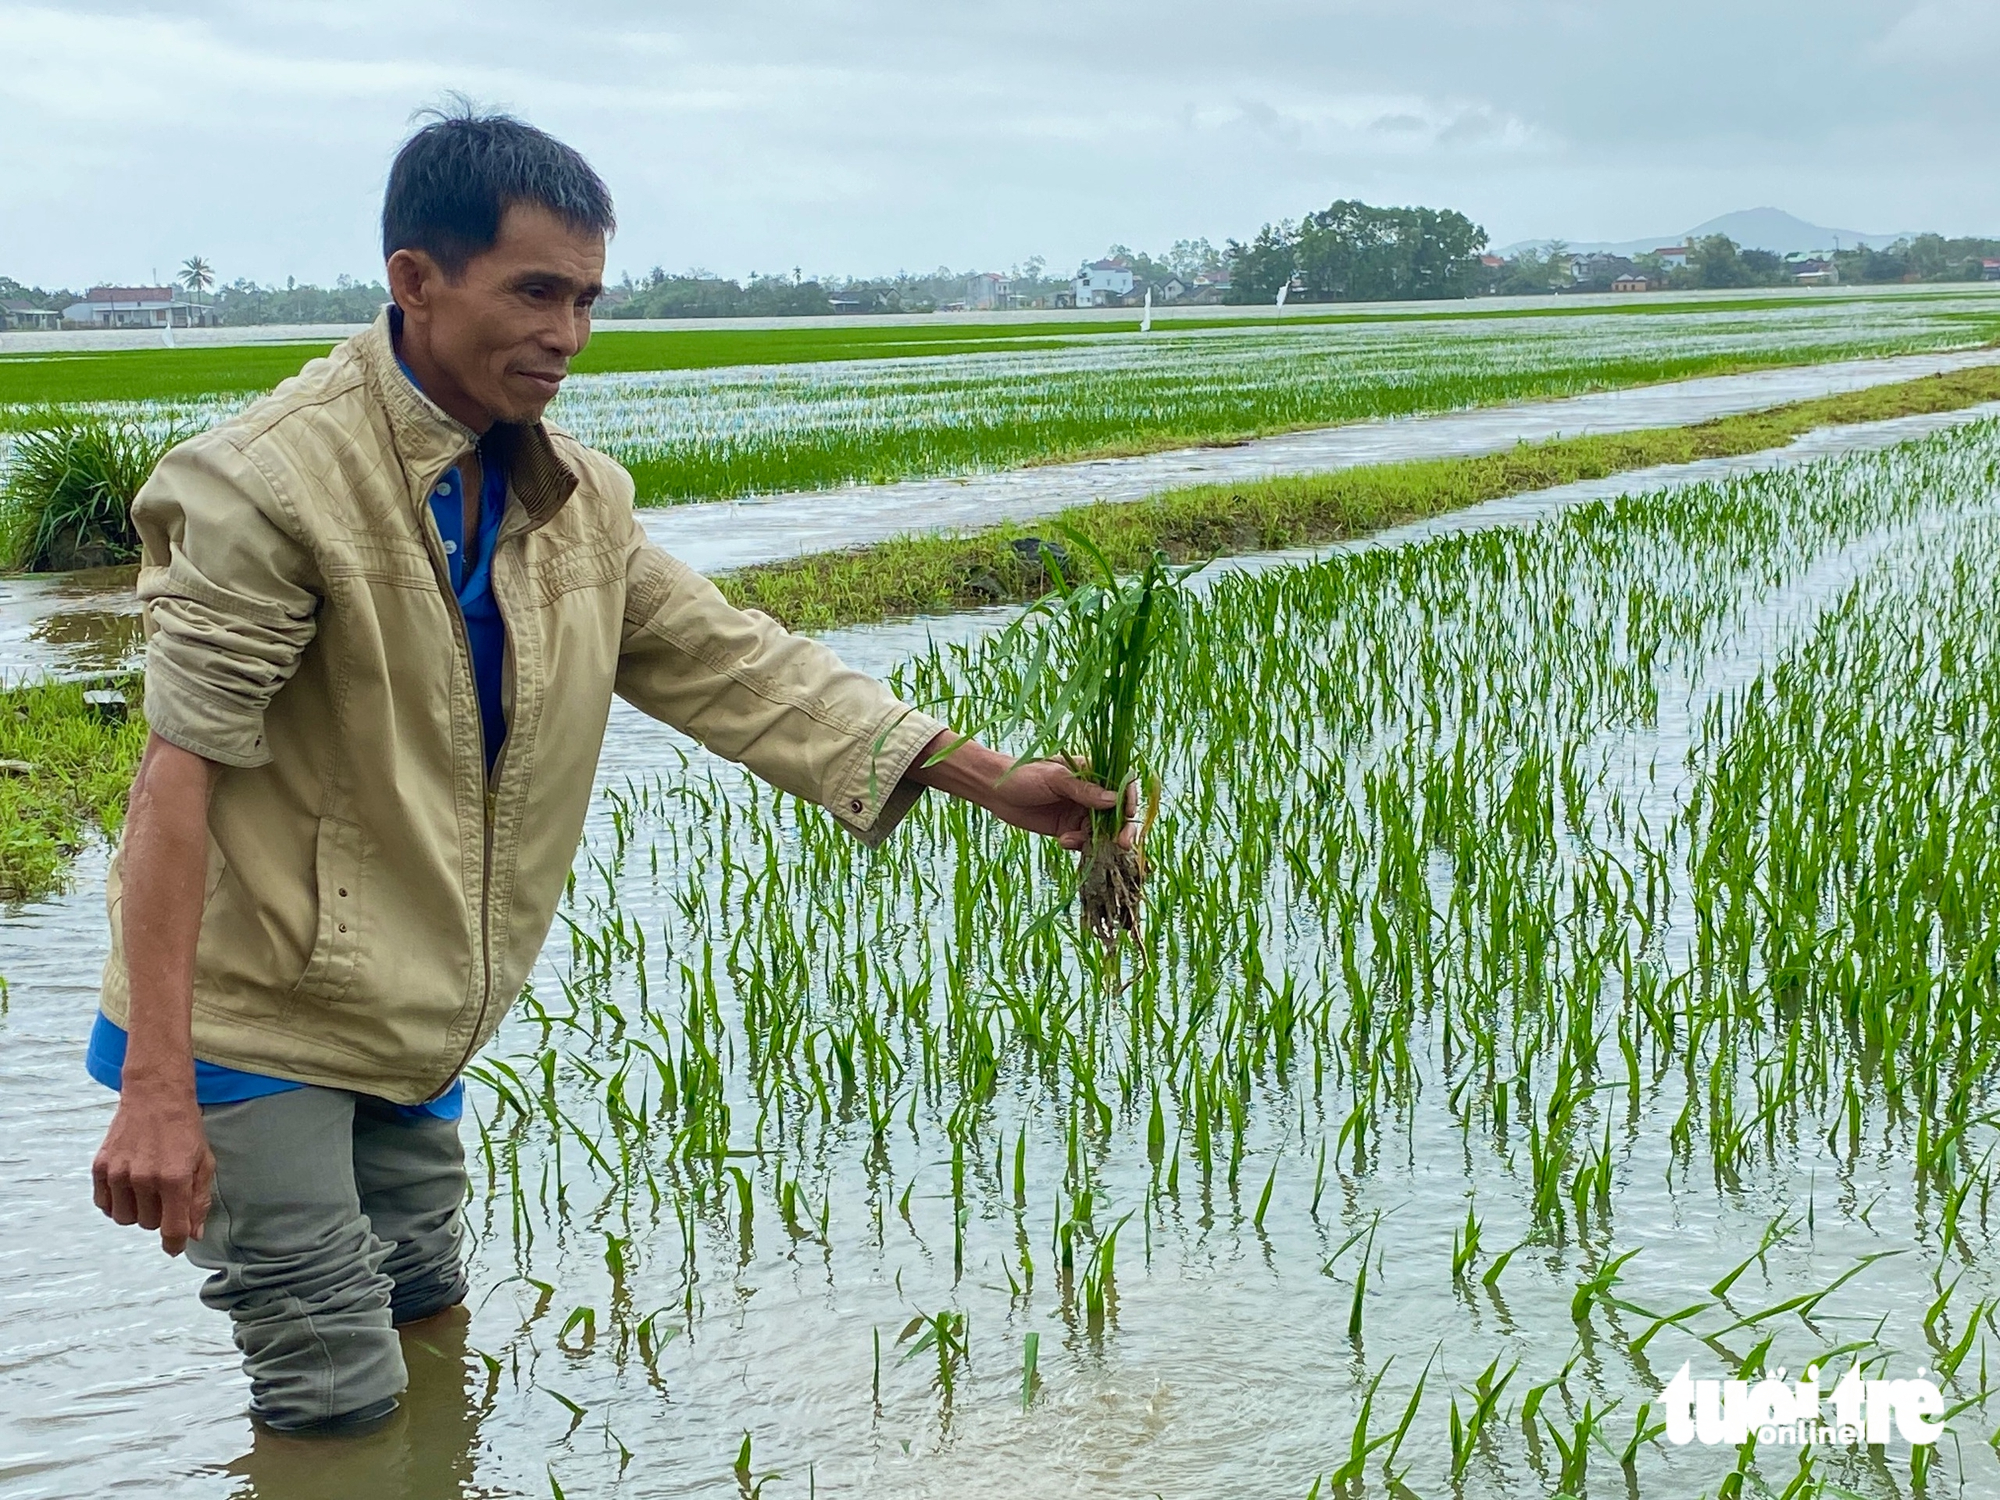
x: 104, y: 1060
x: 486, y: 635
x: 472, y: 581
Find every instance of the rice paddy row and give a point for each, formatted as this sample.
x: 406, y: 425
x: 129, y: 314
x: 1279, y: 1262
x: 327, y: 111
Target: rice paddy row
x: 713, y: 433
x: 1571, y: 953
x: 929, y: 574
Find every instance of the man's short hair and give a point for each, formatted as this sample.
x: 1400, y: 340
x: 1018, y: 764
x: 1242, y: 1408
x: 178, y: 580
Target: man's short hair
x: 456, y: 176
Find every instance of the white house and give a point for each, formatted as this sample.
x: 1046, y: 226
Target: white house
x: 137, y: 307
x: 1103, y: 283
x: 1673, y: 256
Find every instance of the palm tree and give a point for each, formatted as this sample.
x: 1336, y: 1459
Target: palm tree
x: 197, y: 276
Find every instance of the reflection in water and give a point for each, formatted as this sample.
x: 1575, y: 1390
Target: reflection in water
x: 90, y: 640
x: 423, y: 1452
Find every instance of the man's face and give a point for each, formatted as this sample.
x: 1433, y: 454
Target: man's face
x: 495, y: 342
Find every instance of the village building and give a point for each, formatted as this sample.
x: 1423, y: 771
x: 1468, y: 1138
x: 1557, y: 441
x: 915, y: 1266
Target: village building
x: 1674, y: 257
x: 17, y: 315
x: 137, y: 307
x: 1989, y: 269
x: 1102, y: 283
x: 1631, y: 281
x: 989, y: 291
x: 1598, y: 268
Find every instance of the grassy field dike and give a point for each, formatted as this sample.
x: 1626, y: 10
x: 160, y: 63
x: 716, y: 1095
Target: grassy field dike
x: 64, y: 771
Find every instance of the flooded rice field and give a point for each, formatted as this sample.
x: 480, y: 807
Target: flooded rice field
x: 1570, y: 956
x: 761, y: 429
x: 87, y: 623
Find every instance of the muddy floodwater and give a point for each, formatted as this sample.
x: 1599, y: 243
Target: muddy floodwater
x: 776, y: 1112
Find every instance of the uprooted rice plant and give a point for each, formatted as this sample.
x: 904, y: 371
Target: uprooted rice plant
x: 1571, y: 955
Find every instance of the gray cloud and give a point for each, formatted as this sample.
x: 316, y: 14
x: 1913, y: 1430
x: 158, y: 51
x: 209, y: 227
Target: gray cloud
x: 844, y: 136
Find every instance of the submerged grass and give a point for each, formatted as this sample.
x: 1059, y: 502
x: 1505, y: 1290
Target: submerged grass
x: 931, y: 574
x: 64, y: 772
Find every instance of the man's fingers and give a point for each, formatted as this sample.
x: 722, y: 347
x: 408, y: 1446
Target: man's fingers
x: 1071, y: 841
x: 1089, y: 793
x: 204, y: 1185
x: 100, y: 1188
x: 147, y: 1198
x: 124, y: 1207
x: 176, y: 1213
x: 173, y: 1244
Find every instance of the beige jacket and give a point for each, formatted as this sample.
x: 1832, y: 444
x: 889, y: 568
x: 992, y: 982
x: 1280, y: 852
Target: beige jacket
x: 374, y: 899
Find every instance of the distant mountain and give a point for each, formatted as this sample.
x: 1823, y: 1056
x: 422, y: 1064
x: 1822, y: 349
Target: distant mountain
x: 1752, y: 228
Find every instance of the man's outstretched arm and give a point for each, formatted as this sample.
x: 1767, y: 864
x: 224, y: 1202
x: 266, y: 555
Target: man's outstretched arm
x: 154, y: 1168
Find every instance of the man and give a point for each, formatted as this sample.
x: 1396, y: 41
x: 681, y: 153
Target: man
x: 387, y: 609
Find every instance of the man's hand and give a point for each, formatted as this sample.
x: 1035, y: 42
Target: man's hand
x: 154, y: 1168
x: 1043, y: 796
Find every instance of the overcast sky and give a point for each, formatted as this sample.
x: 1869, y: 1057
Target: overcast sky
x: 868, y: 137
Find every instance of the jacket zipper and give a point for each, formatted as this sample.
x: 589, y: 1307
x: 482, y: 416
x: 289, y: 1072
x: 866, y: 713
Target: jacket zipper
x: 488, y: 797
x: 490, y: 803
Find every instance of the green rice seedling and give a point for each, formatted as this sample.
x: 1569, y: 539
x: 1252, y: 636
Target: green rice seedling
x: 1031, y: 1348
x: 1465, y: 1431
x: 944, y: 1334
x: 1360, y: 1445
x: 1465, y: 1245
x: 749, y: 1486
x: 1574, y: 1449
x: 1101, y: 634
x: 67, y: 498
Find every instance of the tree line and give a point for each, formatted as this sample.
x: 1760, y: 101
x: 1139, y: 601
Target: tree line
x: 1347, y: 252
x: 1352, y: 252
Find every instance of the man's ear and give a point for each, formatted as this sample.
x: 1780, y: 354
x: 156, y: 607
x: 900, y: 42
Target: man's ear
x: 412, y: 276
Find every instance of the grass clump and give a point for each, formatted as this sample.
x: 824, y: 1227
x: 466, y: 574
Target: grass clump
x: 67, y: 501
x: 64, y: 770
x: 933, y: 574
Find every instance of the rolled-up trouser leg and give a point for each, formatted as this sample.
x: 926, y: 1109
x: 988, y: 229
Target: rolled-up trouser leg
x: 296, y: 1265
x: 410, y: 1172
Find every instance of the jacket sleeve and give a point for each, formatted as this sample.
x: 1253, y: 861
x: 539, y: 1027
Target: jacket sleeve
x: 228, y: 599
x: 780, y: 704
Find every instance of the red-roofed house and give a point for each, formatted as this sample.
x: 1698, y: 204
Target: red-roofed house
x: 137, y: 307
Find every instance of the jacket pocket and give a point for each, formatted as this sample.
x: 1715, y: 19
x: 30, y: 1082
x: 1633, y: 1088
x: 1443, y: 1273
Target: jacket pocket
x: 339, y: 864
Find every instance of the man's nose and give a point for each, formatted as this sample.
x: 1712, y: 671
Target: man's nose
x: 567, y: 332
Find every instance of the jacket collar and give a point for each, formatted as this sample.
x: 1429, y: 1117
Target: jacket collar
x: 429, y: 440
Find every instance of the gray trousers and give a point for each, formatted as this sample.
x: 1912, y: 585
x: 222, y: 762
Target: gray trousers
x: 334, y: 1219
